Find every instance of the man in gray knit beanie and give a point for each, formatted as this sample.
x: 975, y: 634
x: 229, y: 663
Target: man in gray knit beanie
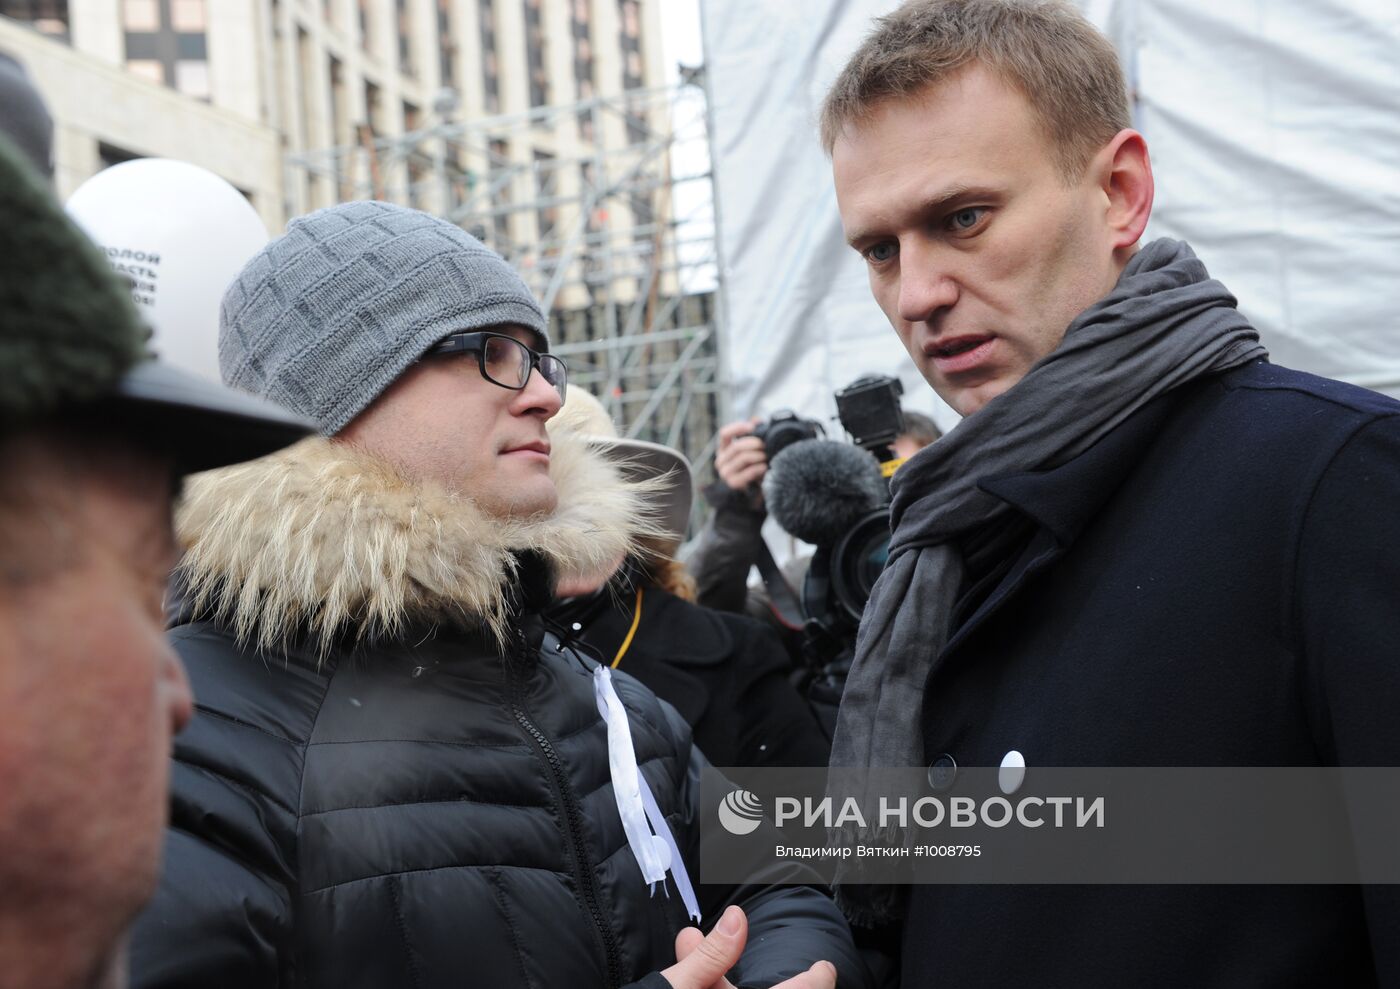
x: 389, y: 751
x: 328, y: 315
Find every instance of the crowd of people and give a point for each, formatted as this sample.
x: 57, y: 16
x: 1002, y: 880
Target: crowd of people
x: 410, y: 613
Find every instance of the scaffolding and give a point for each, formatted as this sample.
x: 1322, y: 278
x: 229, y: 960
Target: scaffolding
x: 607, y: 208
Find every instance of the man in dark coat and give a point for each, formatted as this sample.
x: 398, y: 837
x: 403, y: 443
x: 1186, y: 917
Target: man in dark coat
x: 394, y: 777
x: 1144, y: 545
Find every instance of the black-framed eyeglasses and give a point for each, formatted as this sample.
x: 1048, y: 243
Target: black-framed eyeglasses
x: 504, y: 360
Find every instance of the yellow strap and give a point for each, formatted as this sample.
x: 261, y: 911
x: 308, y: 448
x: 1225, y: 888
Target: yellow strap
x: 636, y: 620
x: 888, y: 467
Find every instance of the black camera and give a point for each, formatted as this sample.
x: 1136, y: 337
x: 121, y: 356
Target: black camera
x: 784, y: 428
x: 843, y: 573
x: 869, y: 410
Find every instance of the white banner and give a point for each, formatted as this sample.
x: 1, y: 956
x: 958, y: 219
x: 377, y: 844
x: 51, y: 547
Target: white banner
x: 1274, y: 129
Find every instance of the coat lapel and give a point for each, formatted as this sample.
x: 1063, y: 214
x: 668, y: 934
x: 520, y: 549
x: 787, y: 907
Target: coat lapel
x: 1060, y: 503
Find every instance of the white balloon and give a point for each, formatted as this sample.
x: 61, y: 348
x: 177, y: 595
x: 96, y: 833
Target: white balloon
x: 180, y: 235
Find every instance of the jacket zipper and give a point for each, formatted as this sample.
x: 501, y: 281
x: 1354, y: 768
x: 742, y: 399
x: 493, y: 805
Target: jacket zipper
x: 583, y: 866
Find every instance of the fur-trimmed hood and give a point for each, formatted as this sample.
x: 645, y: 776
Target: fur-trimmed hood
x: 322, y: 539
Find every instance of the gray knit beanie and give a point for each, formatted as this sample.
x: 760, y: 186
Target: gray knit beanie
x: 324, y: 318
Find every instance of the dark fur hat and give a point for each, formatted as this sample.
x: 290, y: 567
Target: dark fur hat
x: 70, y: 331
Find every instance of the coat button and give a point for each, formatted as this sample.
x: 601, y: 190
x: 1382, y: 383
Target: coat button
x: 942, y: 773
x: 1012, y: 772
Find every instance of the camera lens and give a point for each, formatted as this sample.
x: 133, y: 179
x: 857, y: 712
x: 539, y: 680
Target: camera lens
x: 783, y: 429
x: 857, y: 561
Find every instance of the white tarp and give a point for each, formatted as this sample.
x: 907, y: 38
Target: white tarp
x: 1274, y: 130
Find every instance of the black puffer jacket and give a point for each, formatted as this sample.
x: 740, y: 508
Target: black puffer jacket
x: 414, y: 804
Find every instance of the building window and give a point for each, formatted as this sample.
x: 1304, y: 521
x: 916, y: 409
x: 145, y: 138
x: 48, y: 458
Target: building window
x: 340, y: 127
x: 500, y: 204
x: 547, y: 192
x: 374, y: 108
x: 48, y: 17
x: 583, y: 61
x: 187, y: 16
x: 405, y: 22
x: 417, y: 167
x: 365, y: 38
x: 534, y: 54
x: 631, y: 18
x: 447, y: 47
x: 141, y: 15
x: 642, y: 215
x: 306, y: 71
x: 166, y: 43
x: 339, y: 101
x: 490, y: 68
x: 630, y: 41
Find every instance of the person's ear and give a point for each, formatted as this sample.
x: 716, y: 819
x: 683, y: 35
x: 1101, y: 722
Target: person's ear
x: 1123, y: 172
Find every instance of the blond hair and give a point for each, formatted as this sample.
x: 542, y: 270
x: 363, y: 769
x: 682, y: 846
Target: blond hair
x: 1066, y: 69
x: 661, y: 569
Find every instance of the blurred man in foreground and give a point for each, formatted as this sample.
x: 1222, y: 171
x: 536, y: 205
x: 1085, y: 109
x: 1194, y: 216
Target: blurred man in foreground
x: 94, y: 438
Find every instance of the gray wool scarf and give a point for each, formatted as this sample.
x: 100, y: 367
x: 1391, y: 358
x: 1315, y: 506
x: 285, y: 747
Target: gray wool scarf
x: 1165, y: 323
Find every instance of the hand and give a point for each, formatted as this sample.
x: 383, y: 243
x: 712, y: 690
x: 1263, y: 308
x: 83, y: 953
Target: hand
x: 701, y: 961
x: 740, y: 460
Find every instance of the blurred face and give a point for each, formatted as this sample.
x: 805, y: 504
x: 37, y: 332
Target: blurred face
x: 978, y: 250
x: 441, y: 421
x: 905, y: 447
x: 90, y: 695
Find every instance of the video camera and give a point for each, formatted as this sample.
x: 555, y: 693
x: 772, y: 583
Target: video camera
x: 843, y: 572
x: 835, y: 495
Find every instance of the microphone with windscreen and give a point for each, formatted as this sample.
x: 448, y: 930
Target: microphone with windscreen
x: 833, y: 495
x: 818, y: 490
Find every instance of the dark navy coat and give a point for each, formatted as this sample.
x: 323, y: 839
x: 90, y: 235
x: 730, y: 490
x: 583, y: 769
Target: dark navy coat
x: 1216, y: 583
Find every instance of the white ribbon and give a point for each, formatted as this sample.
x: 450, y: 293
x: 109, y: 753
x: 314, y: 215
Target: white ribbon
x: 635, y: 803
x: 678, y: 873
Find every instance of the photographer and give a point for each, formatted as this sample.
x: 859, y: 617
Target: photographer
x: 728, y: 548
x: 725, y: 674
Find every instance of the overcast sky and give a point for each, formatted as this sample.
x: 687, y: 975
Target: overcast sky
x: 680, y: 34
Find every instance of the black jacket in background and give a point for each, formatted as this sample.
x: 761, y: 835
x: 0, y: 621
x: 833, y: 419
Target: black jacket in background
x: 727, y: 675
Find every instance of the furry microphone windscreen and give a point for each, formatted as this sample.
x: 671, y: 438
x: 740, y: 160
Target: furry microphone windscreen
x: 817, y: 489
